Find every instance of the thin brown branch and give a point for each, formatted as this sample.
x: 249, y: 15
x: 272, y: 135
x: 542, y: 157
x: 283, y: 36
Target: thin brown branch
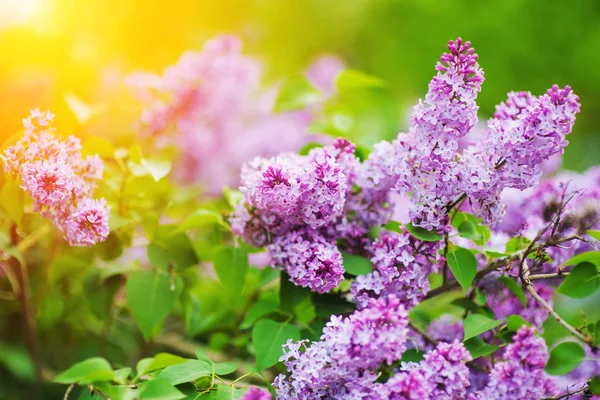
x: 548, y: 276
x: 569, y: 393
x: 68, y: 392
x: 527, y: 284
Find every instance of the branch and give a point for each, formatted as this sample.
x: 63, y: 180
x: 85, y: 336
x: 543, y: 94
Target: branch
x: 527, y: 284
x: 548, y: 276
x: 583, y: 389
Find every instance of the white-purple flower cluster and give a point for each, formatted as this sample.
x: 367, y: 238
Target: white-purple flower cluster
x: 355, y: 353
x: 300, y: 206
x: 401, y: 265
x: 524, y: 133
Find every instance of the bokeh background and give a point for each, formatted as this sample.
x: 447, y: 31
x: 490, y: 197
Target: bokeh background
x: 50, y: 49
x: 55, y: 50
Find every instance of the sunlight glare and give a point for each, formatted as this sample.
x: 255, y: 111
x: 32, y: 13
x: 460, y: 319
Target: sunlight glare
x: 19, y: 12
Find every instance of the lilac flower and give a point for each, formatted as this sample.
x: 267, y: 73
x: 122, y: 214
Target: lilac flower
x: 344, y: 362
x: 59, y: 180
x: 398, y: 268
x: 502, y: 301
x: 521, y: 375
x: 309, y: 259
x: 445, y: 371
x: 87, y: 224
x: 435, y: 167
x: 255, y: 393
x: 211, y: 107
x: 447, y: 328
x: 409, y: 385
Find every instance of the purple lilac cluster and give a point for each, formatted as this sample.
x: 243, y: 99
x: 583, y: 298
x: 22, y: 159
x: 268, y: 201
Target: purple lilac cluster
x: 59, y: 180
x: 503, y: 302
x: 520, y: 376
x: 349, y: 360
x: 211, y: 105
x: 530, y: 211
x: 255, y: 393
x: 401, y: 265
x: 300, y: 206
x: 525, y: 132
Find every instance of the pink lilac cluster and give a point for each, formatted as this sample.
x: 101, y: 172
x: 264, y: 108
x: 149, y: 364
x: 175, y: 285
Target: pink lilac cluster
x: 210, y: 105
x: 401, y: 265
x: 520, y: 376
x: 503, y: 302
x: 255, y: 393
x: 59, y: 180
x: 301, y: 206
x: 434, y: 166
x: 349, y: 360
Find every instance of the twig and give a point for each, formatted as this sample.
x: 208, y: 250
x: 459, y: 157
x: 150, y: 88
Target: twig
x: 548, y: 276
x: 68, y: 392
x: 422, y: 332
x: 24, y: 297
x: 527, y: 284
x: 566, y: 395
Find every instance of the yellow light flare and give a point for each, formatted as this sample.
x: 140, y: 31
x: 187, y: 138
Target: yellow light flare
x: 20, y: 12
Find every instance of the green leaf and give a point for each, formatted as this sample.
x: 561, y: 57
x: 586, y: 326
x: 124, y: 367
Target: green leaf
x: 291, y: 295
x: 177, y: 245
x: 224, y: 368
x: 159, y: 389
x: 186, y: 372
x: 356, y: 265
x: 423, y: 234
x: 589, y: 256
x: 467, y: 230
x: 476, y: 324
x: 122, y: 375
x: 117, y: 221
x: 514, y: 287
x: 463, y: 265
x: 157, y: 168
x: 595, y: 385
x: 268, y: 337
x: 162, y: 360
x: 227, y: 392
x: 516, y: 322
x: 98, y: 145
x: 258, y: 310
x: 478, y: 348
x: 12, y: 199
x: 158, y: 256
x: 594, y: 234
x: 393, y: 226
x: 350, y: 79
x: 85, y: 372
x: 201, y: 218
x: 233, y: 197
x: 517, y: 243
x: 150, y: 296
x: 99, y: 293
x: 231, y: 265
x: 564, y: 358
x: 308, y: 147
x: 296, y: 93
x: 582, y: 281
x: 17, y: 360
